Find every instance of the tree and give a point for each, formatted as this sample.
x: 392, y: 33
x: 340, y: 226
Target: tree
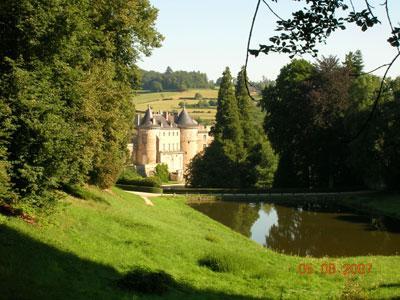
x: 316, y: 21
x: 221, y: 160
x: 246, y: 164
x: 198, y: 96
x: 354, y: 62
x: 156, y: 86
x: 162, y: 172
x: 287, y: 118
x: 312, y: 138
x: 66, y: 106
x: 227, y: 127
x: 170, y: 80
x: 259, y: 160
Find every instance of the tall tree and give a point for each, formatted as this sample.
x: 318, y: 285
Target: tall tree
x: 259, y: 161
x: 65, y: 70
x: 240, y: 155
x: 227, y: 128
x: 308, y: 113
x: 354, y: 62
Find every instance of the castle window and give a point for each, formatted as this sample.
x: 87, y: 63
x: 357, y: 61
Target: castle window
x: 204, y: 137
x: 169, y: 147
x: 163, y: 147
x: 163, y: 133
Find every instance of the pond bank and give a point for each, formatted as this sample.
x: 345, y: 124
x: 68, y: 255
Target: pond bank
x: 362, y: 202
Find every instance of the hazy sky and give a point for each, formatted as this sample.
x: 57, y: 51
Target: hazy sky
x: 209, y: 35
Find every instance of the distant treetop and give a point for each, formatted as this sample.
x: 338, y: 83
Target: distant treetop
x: 174, y: 80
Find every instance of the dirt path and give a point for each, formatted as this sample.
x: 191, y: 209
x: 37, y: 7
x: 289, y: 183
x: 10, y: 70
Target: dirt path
x: 145, y: 196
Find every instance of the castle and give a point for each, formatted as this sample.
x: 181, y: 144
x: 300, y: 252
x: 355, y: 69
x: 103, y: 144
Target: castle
x: 172, y: 139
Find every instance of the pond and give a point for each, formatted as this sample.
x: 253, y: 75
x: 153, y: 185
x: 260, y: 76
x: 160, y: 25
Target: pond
x: 296, y: 231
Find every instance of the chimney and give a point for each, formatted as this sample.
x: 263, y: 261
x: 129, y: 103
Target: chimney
x: 138, y: 118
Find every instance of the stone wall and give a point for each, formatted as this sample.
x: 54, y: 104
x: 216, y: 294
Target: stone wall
x: 189, y: 144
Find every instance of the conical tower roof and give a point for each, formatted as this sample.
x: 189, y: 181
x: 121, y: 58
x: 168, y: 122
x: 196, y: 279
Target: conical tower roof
x: 148, y: 118
x: 184, y: 120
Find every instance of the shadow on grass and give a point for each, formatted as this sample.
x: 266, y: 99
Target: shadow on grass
x: 30, y: 269
x: 386, y: 285
x: 83, y: 193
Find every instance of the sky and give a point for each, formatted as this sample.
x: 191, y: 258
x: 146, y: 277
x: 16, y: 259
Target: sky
x: 209, y: 35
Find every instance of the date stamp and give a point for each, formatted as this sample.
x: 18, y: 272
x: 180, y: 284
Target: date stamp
x: 330, y: 268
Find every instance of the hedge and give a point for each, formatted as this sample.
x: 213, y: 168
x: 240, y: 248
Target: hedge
x: 148, y: 181
x: 188, y: 190
x: 147, y: 189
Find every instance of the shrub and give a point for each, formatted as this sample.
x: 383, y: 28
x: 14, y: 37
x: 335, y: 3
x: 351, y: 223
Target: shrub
x: 143, y: 280
x: 129, y: 173
x: 147, y: 181
x: 162, y: 172
x: 198, y: 96
x: 130, y: 177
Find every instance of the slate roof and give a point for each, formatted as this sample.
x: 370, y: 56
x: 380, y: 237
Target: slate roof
x: 184, y: 120
x: 151, y: 120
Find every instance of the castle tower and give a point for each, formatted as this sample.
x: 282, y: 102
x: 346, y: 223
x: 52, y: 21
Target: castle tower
x: 189, y: 135
x: 147, y: 139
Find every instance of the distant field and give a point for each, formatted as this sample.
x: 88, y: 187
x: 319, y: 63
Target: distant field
x: 169, y: 101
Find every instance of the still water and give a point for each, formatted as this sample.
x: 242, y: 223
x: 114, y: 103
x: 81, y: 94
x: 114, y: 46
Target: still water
x: 304, y: 232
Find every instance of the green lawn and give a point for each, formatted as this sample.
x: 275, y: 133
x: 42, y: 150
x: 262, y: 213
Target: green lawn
x: 81, y: 250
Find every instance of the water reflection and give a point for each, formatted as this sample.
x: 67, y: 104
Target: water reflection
x: 303, y: 232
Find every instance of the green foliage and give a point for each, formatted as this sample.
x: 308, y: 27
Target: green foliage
x: 173, y: 81
x: 129, y: 173
x: 331, y: 106
x: 155, y: 86
x: 65, y: 88
x: 152, y: 181
x: 162, y: 172
x: 354, y: 62
x: 240, y: 150
x: 198, y: 96
x: 375, y: 155
x: 314, y: 23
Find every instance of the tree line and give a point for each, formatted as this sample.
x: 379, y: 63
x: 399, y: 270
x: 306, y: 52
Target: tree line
x: 318, y: 131
x: 174, y: 80
x: 66, y: 75
x: 314, y: 116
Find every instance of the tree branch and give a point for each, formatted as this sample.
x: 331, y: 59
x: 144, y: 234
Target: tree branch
x: 248, y: 49
x: 271, y: 10
x: 376, y: 102
x: 389, y: 19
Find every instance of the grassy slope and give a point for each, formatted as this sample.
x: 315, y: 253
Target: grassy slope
x: 80, y: 251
